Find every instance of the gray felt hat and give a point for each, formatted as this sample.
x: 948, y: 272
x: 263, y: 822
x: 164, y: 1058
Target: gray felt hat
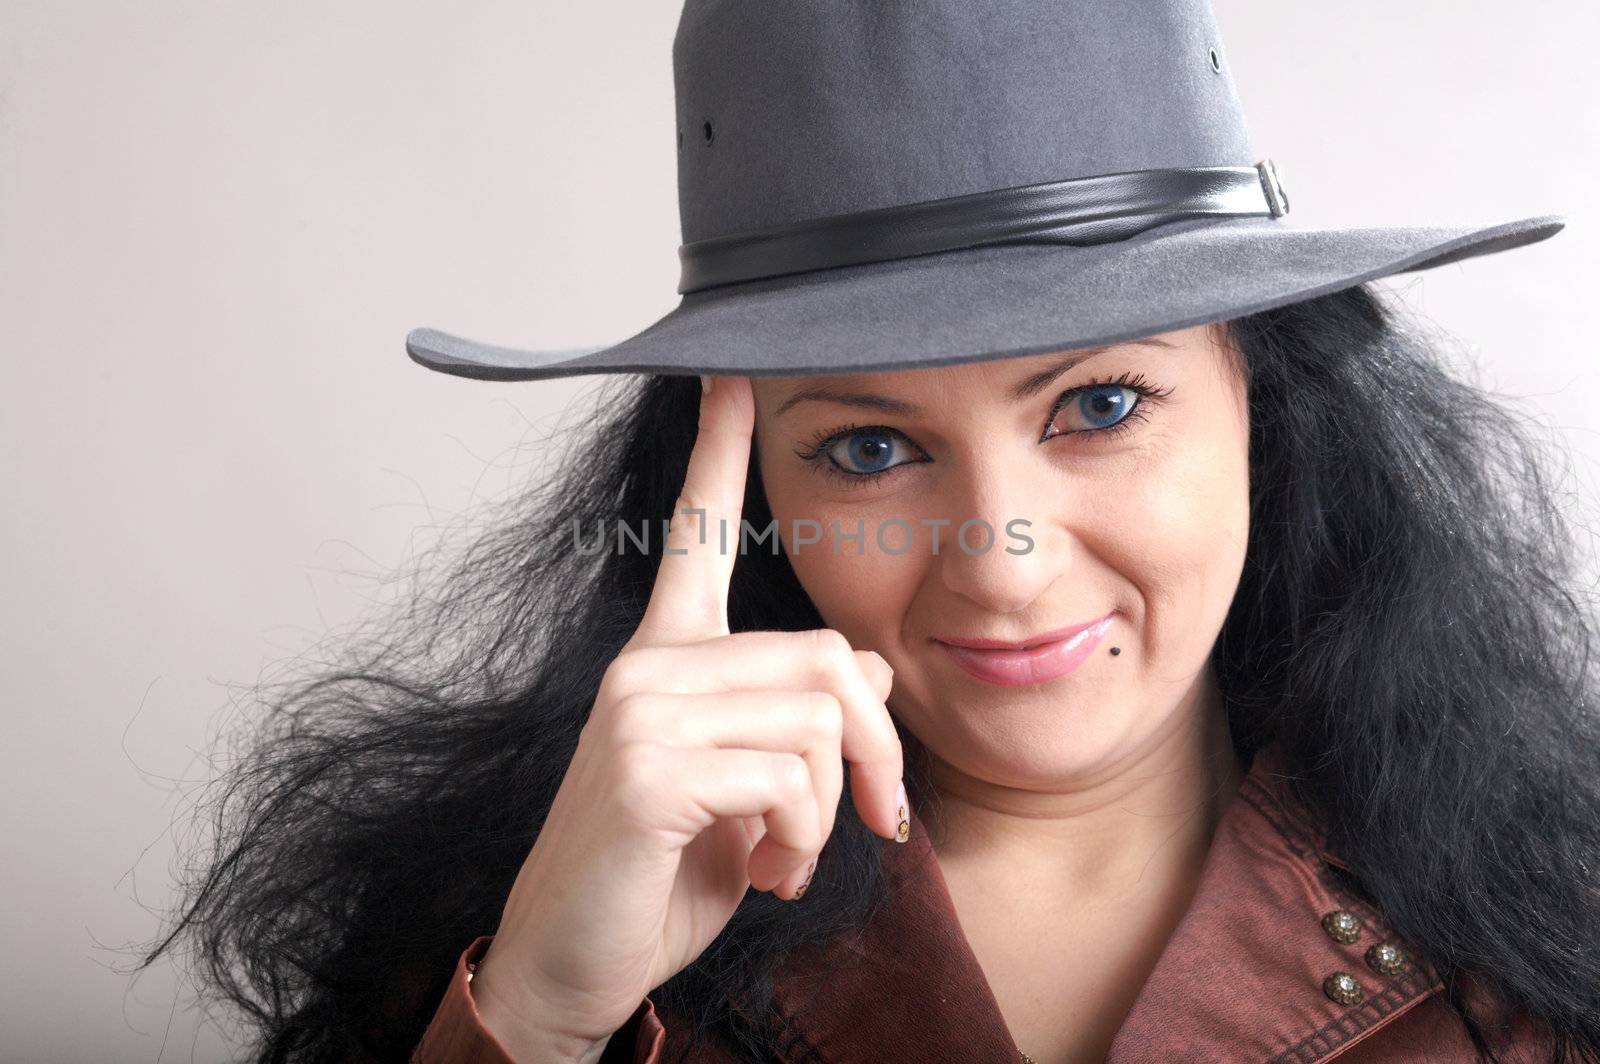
x: 890, y: 184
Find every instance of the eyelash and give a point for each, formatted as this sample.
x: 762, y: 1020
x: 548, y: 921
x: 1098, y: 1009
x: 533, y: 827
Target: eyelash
x: 815, y: 450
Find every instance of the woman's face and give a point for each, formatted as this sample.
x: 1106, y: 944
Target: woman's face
x: 1115, y: 484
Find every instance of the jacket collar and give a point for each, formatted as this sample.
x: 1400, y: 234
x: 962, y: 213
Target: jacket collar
x: 1241, y: 978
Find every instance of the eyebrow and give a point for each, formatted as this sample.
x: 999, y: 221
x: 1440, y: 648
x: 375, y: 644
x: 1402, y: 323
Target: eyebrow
x: 1023, y: 389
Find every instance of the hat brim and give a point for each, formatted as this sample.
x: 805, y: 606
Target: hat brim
x: 999, y: 301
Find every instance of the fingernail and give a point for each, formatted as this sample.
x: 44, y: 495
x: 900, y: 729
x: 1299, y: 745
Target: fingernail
x: 801, y: 889
x: 706, y: 382
x: 903, y: 832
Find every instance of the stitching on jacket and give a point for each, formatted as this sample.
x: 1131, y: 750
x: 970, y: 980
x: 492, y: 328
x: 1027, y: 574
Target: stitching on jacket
x: 792, y: 1048
x: 1374, y: 1009
x: 1325, y: 1040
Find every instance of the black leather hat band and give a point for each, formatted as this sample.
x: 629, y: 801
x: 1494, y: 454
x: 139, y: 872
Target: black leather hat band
x: 1081, y: 211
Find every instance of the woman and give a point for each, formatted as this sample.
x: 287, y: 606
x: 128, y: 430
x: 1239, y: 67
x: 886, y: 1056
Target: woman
x: 1289, y: 757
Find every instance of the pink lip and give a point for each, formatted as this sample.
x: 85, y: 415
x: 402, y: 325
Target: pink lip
x: 1039, y: 658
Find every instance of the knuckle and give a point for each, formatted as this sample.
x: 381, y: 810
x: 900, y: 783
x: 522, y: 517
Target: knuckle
x: 826, y: 712
x: 791, y: 776
x: 623, y: 674
x: 836, y: 659
x: 831, y: 647
x: 633, y: 714
x: 682, y: 517
x: 639, y: 767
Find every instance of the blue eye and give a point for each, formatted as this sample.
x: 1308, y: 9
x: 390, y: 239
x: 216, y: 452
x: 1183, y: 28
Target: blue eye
x: 856, y: 455
x: 1103, y: 409
x: 865, y: 452
x: 1104, y: 405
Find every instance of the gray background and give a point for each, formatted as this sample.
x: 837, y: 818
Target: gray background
x: 218, y: 220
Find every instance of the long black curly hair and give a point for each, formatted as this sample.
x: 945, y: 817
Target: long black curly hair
x: 1410, y: 626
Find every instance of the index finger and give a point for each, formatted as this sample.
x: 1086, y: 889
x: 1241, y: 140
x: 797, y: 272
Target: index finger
x: 689, y: 600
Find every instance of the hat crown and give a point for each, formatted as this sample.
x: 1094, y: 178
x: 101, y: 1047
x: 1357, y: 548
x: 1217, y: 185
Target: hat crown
x: 793, y: 110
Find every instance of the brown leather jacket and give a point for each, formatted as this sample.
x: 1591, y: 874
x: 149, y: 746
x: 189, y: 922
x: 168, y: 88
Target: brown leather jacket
x: 1249, y: 975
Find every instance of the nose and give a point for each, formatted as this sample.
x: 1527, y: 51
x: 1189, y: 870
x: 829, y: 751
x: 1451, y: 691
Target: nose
x: 1013, y: 548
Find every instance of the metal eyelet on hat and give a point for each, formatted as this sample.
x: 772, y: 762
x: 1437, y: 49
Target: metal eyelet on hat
x: 1216, y: 61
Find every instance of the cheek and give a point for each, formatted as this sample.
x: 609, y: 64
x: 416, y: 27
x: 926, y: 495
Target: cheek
x: 1178, y: 533
x: 863, y: 596
x: 858, y: 589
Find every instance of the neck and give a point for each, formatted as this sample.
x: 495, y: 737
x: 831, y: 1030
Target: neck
x: 1129, y: 828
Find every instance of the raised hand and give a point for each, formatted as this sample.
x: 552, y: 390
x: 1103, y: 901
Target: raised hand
x: 710, y: 763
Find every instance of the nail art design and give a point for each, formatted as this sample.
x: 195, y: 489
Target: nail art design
x: 800, y: 891
x: 904, y: 831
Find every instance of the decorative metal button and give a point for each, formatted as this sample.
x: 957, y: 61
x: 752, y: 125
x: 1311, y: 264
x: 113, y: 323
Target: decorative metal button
x: 1343, y: 988
x: 1385, y: 958
x: 1342, y: 925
